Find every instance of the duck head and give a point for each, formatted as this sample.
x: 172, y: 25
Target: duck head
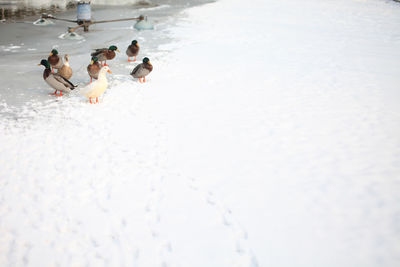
x: 94, y: 60
x: 53, y: 52
x: 113, y: 48
x: 106, y: 69
x: 134, y: 42
x: 146, y: 60
x: 45, y: 63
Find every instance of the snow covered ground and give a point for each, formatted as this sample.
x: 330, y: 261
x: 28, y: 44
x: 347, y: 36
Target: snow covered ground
x: 267, y: 135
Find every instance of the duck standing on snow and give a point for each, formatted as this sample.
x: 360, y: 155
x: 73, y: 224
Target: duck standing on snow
x: 56, y: 81
x: 93, y: 68
x: 65, y: 70
x: 132, y: 50
x: 97, y: 88
x: 142, y: 70
x: 104, y: 54
x: 54, y: 60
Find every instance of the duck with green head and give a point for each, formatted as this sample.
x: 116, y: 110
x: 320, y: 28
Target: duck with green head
x: 55, y: 61
x: 56, y: 81
x: 93, y: 68
x: 142, y: 70
x: 104, y: 54
x: 132, y: 50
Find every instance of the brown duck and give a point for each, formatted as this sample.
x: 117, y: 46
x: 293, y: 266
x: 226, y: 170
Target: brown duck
x: 93, y: 69
x: 132, y: 50
x: 142, y: 70
x: 104, y: 54
x: 65, y: 70
x: 54, y: 60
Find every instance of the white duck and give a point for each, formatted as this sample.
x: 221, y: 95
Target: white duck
x: 97, y: 88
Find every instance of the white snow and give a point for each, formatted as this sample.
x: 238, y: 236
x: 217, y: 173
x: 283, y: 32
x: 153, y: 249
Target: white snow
x: 266, y: 135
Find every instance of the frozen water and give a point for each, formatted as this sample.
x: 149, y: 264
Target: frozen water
x: 266, y: 135
x: 43, y: 22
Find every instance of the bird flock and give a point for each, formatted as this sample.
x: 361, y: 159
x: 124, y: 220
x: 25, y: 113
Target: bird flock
x: 96, y: 69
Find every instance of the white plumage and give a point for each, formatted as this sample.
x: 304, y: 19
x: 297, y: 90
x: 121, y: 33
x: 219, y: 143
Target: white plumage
x: 98, y: 87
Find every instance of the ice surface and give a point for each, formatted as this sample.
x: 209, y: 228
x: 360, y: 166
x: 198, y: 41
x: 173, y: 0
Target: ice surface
x: 143, y: 25
x: 43, y: 22
x: 266, y: 135
x: 71, y: 36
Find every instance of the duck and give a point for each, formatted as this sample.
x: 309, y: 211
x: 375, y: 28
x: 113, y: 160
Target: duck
x: 142, y: 70
x: 97, y: 88
x: 55, y: 80
x: 104, y: 54
x: 132, y: 50
x: 65, y: 70
x: 93, y: 68
x: 54, y: 60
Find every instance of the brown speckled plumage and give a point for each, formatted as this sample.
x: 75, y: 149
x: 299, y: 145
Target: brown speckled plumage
x: 132, y: 50
x: 93, y: 70
x: 65, y: 70
x: 142, y: 70
x: 103, y: 54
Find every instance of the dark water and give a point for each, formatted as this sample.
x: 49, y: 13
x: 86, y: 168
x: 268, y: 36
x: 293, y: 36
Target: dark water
x: 20, y: 11
x: 16, y: 10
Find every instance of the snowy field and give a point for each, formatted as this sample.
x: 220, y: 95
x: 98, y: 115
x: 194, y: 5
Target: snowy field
x: 268, y: 134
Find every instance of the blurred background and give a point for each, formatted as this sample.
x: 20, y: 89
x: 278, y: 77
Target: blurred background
x: 17, y: 9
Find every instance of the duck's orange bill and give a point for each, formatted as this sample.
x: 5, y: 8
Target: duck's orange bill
x: 109, y: 71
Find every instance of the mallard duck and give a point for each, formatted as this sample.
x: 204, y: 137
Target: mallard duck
x: 142, y: 70
x: 132, y: 50
x: 54, y: 60
x: 93, y: 68
x: 104, y: 54
x: 55, y: 80
x: 97, y: 88
x: 65, y: 70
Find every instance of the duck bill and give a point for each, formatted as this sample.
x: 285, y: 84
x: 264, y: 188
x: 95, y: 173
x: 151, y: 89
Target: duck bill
x: 109, y: 71
x: 50, y: 54
x: 118, y: 50
x: 91, y: 62
x: 39, y: 64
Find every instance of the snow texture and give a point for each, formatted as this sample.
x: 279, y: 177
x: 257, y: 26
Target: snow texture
x: 266, y: 135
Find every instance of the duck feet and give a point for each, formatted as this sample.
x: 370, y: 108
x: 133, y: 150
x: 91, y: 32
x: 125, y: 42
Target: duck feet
x: 90, y: 100
x: 61, y: 94
x: 55, y: 93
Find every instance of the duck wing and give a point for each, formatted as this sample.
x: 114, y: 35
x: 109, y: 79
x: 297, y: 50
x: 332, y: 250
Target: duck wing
x: 64, y: 81
x: 98, y: 51
x: 136, y: 69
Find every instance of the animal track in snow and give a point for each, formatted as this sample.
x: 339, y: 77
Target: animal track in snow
x: 245, y: 257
